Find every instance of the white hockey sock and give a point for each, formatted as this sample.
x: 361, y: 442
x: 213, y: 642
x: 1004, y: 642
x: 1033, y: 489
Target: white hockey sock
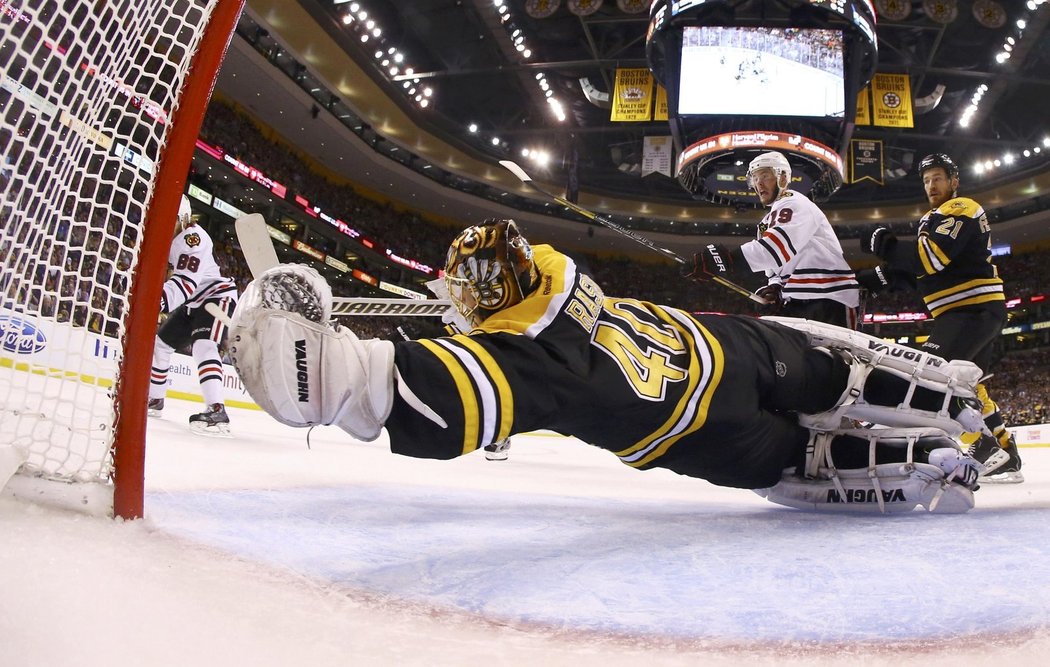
x: 158, y: 376
x: 209, y: 370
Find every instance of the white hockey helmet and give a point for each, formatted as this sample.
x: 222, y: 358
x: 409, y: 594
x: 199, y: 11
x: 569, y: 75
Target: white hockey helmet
x: 771, y: 160
x: 185, y: 217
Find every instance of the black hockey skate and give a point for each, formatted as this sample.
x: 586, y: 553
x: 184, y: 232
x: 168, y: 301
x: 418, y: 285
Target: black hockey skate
x: 1009, y: 472
x: 214, y: 421
x: 498, y: 451
x: 988, y: 453
x: 154, y: 407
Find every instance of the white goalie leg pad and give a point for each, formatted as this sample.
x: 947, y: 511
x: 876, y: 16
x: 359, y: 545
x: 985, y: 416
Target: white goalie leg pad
x: 880, y: 487
x: 303, y: 373
x: 955, y: 379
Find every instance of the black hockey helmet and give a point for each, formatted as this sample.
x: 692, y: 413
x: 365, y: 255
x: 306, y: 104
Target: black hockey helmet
x: 939, y: 160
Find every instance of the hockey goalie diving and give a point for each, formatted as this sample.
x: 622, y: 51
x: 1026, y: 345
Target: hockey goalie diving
x: 806, y: 414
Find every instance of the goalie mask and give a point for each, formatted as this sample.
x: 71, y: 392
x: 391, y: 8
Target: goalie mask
x: 489, y: 268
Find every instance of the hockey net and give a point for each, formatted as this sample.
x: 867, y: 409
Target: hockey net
x: 100, y: 105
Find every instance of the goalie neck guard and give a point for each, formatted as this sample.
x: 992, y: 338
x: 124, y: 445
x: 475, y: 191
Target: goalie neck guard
x: 489, y: 268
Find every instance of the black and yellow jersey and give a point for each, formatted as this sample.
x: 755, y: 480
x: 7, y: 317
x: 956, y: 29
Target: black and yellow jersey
x: 652, y: 384
x: 954, y: 268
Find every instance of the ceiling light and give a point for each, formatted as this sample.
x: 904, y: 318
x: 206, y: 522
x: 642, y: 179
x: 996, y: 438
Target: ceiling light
x: 473, y: 128
x: 524, y: 152
x: 495, y: 141
x: 1008, y: 158
x: 348, y: 19
x: 527, y: 53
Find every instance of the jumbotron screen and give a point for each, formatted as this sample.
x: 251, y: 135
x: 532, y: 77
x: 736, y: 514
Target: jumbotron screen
x: 761, y: 72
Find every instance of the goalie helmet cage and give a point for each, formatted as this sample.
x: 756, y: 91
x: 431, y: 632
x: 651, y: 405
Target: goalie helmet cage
x: 100, y: 107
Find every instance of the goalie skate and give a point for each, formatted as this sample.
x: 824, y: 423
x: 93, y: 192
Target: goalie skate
x: 213, y: 422
x: 498, y: 451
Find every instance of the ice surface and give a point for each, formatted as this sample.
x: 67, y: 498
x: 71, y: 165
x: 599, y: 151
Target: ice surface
x: 259, y: 550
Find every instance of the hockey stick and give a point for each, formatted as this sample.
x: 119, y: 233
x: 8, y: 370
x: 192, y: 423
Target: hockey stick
x: 629, y: 233
x: 260, y: 255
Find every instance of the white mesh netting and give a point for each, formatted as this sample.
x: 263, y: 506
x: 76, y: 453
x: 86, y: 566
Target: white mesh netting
x: 87, y: 94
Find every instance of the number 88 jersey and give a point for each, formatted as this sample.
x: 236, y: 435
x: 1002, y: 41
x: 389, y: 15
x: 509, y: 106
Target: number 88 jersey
x: 193, y: 266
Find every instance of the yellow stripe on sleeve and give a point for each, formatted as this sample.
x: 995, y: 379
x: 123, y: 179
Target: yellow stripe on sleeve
x: 506, y: 396
x: 471, y: 413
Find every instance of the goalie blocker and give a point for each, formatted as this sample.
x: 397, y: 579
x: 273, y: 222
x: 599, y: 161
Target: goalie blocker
x: 716, y: 400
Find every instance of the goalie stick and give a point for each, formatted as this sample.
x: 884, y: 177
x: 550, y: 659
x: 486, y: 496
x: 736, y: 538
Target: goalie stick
x: 513, y: 168
x: 260, y: 255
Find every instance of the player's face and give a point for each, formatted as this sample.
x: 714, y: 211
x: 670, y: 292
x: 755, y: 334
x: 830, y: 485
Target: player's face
x: 764, y: 182
x: 939, y: 188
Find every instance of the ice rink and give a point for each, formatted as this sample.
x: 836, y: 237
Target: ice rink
x: 262, y: 550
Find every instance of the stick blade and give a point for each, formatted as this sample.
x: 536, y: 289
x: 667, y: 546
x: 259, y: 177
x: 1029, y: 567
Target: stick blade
x: 256, y: 243
x: 513, y: 168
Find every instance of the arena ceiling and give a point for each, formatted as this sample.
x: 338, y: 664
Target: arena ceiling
x: 466, y: 54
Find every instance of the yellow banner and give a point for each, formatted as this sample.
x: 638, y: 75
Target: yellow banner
x: 891, y: 100
x: 632, y: 95
x: 864, y: 107
x: 660, y: 112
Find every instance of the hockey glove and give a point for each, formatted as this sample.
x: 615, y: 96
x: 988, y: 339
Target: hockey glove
x: 714, y: 260
x: 873, y: 280
x: 879, y: 241
x: 774, y: 299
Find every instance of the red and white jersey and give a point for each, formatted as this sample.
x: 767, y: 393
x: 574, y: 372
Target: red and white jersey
x: 196, y: 276
x: 797, y: 248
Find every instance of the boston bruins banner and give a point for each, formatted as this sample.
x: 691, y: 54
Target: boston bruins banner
x: 632, y: 95
x: 891, y: 100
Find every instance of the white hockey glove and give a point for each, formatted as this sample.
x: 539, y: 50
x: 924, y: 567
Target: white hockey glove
x: 298, y: 367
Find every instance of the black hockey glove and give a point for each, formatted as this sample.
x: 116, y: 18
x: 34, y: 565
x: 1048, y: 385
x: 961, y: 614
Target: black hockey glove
x: 774, y: 300
x: 714, y: 260
x: 879, y: 241
x: 874, y: 280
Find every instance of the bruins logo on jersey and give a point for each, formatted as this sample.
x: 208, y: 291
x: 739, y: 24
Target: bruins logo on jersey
x: 192, y: 240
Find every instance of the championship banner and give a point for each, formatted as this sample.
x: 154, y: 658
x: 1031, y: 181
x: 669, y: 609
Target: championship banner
x: 864, y: 107
x: 656, y: 155
x: 660, y: 112
x: 632, y: 95
x: 891, y: 100
x: 865, y: 160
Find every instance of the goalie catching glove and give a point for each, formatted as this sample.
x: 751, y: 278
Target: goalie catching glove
x: 303, y: 369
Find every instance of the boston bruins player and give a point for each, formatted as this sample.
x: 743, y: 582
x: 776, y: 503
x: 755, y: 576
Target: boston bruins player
x: 195, y: 281
x: 952, y: 263
x: 716, y: 397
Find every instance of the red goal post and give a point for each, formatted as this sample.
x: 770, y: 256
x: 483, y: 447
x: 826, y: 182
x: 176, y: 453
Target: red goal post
x: 100, y: 107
